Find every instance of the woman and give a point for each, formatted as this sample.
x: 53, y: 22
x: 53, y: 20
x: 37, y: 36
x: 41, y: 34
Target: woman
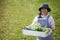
x: 45, y: 20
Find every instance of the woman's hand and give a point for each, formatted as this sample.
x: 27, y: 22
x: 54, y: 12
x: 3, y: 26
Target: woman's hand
x: 53, y: 30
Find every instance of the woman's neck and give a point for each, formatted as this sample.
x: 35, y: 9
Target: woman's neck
x: 44, y: 14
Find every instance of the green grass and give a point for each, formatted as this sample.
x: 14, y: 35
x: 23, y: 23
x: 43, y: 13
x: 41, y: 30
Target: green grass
x: 15, y: 14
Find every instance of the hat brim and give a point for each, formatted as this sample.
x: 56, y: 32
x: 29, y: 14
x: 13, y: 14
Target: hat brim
x: 46, y: 8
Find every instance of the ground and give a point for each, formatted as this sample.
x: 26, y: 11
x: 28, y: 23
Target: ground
x: 15, y: 14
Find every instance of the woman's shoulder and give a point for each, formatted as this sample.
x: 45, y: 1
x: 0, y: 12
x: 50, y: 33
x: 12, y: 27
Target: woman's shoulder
x: 51, y: 17
x: 36, y: 16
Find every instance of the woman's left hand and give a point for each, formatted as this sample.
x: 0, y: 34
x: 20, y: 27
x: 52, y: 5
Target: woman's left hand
x: 53, y: 30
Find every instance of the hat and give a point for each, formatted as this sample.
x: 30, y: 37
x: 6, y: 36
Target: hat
x: 45, y: 6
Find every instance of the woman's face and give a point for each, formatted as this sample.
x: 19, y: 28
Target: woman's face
x: 44, y: 11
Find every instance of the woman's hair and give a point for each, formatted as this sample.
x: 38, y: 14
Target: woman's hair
x: 39, y: 15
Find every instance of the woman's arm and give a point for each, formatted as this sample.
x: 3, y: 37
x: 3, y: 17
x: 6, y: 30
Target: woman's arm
x: 52, y: 23
x: 34, y: 21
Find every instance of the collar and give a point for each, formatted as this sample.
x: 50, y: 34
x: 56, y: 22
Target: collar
x: 44, y: 16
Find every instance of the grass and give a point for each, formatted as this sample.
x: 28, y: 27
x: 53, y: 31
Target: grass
x: 15, y: 14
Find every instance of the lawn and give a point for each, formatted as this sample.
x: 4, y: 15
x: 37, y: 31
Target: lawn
x: 15, y: 14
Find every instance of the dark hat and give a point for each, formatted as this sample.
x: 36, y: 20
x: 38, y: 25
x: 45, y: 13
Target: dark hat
x: 45, y: 6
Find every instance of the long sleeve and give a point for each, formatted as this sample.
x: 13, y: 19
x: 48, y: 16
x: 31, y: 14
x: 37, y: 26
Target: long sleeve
x: 34, y: 21
x: 51, y: 22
